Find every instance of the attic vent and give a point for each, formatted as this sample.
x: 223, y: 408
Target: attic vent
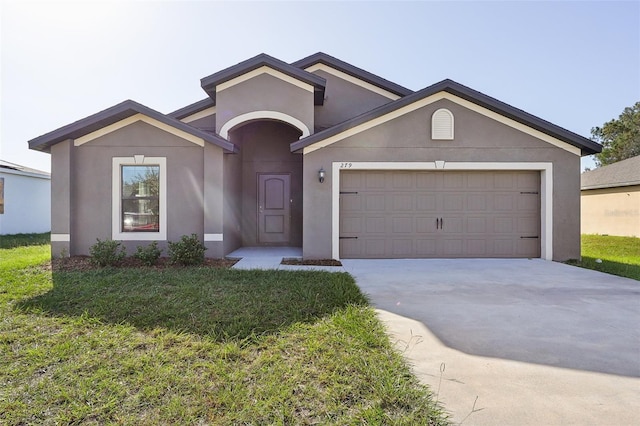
x: 442, y: 125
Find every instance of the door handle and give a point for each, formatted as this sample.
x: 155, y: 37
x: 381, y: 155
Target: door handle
x: 437, y: 223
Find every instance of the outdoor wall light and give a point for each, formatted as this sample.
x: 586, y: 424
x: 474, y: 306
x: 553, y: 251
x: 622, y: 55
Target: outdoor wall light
x: 321, y: 174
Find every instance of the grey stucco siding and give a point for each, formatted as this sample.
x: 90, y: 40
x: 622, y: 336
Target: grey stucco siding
x: 264, y: 93
x: 407, y: 138
x: 91, y: 185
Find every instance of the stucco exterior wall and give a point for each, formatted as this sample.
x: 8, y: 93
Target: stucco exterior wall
x: 264, y: 93
x: 611, y: 211
x: 205, y: 123
x: 27, y: 200
x: 408, y: 139
x: 91, y: 184
x: 344, y: 100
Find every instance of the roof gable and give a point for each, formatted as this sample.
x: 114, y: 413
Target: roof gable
x: 456, y: 92
x: 622, y: 173
x: 123, y: 112
x: 259, y: 62
x: 309, y: 62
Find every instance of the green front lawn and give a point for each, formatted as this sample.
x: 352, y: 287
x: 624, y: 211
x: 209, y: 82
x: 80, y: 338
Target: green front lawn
x: 195, y: 346
x: 610, y: 254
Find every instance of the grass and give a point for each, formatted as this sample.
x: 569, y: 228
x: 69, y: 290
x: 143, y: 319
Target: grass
x: 195, y: 346
x: 617, y: 255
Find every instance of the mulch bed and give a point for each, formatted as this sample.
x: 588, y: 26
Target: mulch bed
x: 83, y: 263
x: 311, y: 262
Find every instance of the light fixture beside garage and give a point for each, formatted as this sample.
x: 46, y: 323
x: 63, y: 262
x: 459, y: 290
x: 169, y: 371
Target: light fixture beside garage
x: 321, y: 174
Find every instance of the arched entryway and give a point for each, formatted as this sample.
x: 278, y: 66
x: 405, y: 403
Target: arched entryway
x: 268, y: 184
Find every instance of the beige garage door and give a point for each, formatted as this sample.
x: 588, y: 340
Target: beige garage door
x: 411, y: 214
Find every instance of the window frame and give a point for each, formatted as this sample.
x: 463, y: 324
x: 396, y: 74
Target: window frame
x: 116, y: 203
x: 2, y: 195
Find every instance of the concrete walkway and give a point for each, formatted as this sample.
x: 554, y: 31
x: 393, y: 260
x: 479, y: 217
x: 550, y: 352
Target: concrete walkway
x: 514, y: 342
x: 271, y: 258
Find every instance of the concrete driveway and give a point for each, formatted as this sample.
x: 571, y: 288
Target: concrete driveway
x: 536, y: 342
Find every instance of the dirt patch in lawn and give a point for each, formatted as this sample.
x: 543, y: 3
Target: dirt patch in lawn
x: 83, y: 263
x: 311, y: 262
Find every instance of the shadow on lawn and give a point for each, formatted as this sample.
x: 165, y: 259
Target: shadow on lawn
x: 608, y: 266
x: 218, y: 303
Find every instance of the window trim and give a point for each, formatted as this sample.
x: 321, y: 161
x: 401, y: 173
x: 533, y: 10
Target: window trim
x: 116, y: 202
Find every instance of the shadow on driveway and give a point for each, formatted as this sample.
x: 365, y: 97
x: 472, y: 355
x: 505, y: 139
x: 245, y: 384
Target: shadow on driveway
x: 533, y: 311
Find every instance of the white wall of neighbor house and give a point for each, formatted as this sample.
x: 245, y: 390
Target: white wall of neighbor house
x: 611, y: 211
x: 27, y: 204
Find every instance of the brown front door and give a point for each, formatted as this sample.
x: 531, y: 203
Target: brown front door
x: 274, y: 218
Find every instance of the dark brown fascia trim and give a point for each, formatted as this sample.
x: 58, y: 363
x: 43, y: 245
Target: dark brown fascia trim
x: 210, y: 82
x: 586, y: 146
x: 193, y: 108
x: 113, y: 115
x: 353, y: 71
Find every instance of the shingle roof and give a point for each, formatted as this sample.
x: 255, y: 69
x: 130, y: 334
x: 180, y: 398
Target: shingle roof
x: 352, y: 71
x: 114, y: 114
x: 193, y: 108
x: 586, y: 146
x: 622, y: 173
x: 209, y: 83
x: 8, y: 166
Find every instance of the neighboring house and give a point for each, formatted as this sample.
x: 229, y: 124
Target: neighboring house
x: 610, y: 199
x: 25, y: 199
x: 323, y: 155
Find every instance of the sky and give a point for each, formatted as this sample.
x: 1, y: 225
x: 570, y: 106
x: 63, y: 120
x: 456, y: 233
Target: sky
x: 573, y: 63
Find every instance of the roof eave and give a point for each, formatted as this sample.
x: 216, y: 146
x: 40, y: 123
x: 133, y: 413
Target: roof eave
x: 193, y: 108
x: 353, y: 71
x: 587, y: 146
x: 210, y: 82
x: 114, y: 114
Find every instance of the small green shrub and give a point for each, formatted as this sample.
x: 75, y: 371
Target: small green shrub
x: 148, y: 255
x: 188, y: 251
x: 107, y: 252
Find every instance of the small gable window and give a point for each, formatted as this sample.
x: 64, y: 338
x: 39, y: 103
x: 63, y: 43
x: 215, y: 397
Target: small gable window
x: 442, y: 125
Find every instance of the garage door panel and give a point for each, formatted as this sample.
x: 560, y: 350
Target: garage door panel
x: 439, y: 214
x: 428, y: 180
x: 351, y: 225
x: 426, y: 202
x: 453, y: 202
x: 403, y: 180
x: 477, y: 202
x: 426, y: 225
x: 403, y: 202
x: 453, y: 180
x: 402, y: 225
x: 375, y: 225
x: 376, y: 180
x: 503, y: 202
x: 452, y: 247
x: 374, y: 202
x: 476, y: 225
x: 375, y: 247
x: 402, y: 247
x: 477, y: 248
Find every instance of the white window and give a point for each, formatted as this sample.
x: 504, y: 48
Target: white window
x: 139, y: 198
x: 442, y: 125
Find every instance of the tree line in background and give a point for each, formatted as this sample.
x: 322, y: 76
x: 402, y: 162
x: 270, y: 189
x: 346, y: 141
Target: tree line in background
x: 620, y: 138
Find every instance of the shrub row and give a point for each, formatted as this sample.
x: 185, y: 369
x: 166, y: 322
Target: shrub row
x: 188, y: 251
